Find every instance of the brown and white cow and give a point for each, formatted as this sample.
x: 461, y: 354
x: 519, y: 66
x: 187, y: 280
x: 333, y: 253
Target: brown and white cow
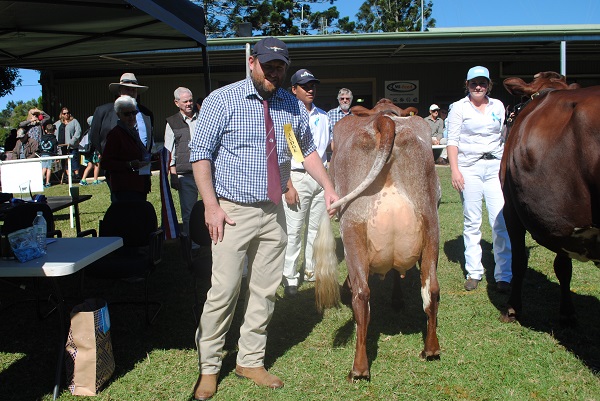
x: 383, y: 170
x: 550, y: 176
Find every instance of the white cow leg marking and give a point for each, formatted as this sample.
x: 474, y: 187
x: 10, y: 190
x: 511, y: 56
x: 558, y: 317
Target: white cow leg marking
x: 426, y: 295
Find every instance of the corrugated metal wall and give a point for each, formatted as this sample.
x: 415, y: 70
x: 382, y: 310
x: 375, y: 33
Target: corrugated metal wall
x: 438, y: 83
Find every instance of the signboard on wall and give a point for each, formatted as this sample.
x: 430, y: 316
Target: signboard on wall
x: 402, y: 91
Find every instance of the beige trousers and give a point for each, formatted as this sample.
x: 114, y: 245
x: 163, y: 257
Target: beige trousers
x: 260, y: 233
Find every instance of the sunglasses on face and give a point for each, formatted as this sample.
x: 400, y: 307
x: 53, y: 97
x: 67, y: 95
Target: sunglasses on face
x: 483, y: 84
x: 129, y: 113
x: 345, y: 98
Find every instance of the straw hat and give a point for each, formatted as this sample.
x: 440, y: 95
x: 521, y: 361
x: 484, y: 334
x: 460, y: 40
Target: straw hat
x: 127, y: 79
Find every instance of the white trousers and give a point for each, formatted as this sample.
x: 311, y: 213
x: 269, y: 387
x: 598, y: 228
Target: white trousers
x: 482, y: 182
x: 307, y: 214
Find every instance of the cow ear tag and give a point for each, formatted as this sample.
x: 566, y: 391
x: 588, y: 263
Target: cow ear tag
x: 293, y: 143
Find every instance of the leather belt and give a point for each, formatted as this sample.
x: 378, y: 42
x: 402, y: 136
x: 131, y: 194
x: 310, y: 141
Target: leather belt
x: 299, y: 170
x: 488, y: 156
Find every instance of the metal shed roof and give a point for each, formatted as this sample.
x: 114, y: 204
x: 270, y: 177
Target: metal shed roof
x: 83, y: 34
x: 488, y: 44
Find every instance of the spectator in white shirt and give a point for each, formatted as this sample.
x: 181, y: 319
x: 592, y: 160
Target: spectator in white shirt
x: 474, y: 151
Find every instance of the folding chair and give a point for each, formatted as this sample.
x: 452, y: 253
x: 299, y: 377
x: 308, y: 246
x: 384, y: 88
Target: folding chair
x: 136, y: 223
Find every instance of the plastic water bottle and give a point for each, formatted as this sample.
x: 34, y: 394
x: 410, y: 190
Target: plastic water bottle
x: 39, y: 230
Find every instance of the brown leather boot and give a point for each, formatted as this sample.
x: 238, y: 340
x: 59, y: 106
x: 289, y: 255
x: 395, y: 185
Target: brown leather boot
x: 205, y: 387
x: 259, y: 376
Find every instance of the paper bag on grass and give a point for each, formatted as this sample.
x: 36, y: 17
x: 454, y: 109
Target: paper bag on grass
x: 90, y: 361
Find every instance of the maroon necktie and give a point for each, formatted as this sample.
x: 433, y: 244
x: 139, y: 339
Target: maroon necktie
x: 273, y: 177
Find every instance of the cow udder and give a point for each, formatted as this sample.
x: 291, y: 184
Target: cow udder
x: 394, y: 233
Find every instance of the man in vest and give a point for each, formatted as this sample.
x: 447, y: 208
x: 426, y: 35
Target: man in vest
x: 177, y: 137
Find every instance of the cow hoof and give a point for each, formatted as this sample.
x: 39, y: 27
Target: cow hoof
x: 354, y: 377
x: 510, y: 316
x: 430, y: 355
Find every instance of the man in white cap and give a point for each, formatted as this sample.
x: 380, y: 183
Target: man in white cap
x: 304, y: 200
x: 437, y: 131
x: 105, y: 118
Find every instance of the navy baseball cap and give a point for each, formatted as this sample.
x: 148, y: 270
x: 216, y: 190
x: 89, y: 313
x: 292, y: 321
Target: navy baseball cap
x: 269, y: 49
x: 302, y: 77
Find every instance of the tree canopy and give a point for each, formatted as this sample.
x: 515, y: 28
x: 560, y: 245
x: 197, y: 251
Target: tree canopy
x: 9, y: 78
x: 293, y: 17
x: 393, y: 16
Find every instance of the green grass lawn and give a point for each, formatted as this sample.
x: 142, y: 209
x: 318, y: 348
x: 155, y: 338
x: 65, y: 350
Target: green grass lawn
x: 482, y: 358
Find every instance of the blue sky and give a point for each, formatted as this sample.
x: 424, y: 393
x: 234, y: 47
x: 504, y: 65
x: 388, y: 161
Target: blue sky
x: 447, y: 13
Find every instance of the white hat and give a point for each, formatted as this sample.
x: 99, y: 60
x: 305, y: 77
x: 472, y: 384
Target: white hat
x: 434, y: 107
x: 478, y: 71
x: 127, y: 79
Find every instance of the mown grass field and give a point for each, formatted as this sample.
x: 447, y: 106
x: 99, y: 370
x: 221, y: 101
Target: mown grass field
x: 482, y: 358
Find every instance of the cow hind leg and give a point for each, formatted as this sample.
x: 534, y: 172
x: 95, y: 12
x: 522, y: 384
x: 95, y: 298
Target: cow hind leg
x: 516, y: 233
x: 361, y: 309
x: 563, y: 268
x: 358, y: 276
x: 430, y: 292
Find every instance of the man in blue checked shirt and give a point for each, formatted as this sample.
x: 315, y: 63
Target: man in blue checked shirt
x: 228, y: 155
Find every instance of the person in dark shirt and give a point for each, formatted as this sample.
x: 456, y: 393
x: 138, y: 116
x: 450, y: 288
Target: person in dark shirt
x: 10, y: 141
x: 47, y: 147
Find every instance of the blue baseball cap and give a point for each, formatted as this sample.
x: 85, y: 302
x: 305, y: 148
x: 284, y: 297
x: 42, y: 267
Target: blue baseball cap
x: 478, y: 71
x: 269, y: 49
x: 302, y: 77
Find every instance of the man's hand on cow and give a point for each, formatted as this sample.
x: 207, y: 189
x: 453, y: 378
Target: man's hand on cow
x: 458, y: 182
x: 215, y: 219
x: 330, y: 198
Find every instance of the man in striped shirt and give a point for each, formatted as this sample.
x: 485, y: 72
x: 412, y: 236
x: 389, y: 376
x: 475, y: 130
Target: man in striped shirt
x: 228, y: 155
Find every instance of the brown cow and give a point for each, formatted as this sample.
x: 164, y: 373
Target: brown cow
x: 550, y: 175
x: 383, y: 170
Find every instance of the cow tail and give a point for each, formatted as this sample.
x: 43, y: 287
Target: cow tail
x: 327, y: 289
x: 386, y: 127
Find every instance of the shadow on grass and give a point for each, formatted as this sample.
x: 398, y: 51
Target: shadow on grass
x: 541, y: 302
x: 455, y: 252
x: 541, y: 298
x: 34, y: 342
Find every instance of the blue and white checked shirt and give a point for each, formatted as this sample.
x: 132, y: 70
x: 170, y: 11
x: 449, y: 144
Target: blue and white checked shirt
x: 334, y: 116
x: 230, y: 132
